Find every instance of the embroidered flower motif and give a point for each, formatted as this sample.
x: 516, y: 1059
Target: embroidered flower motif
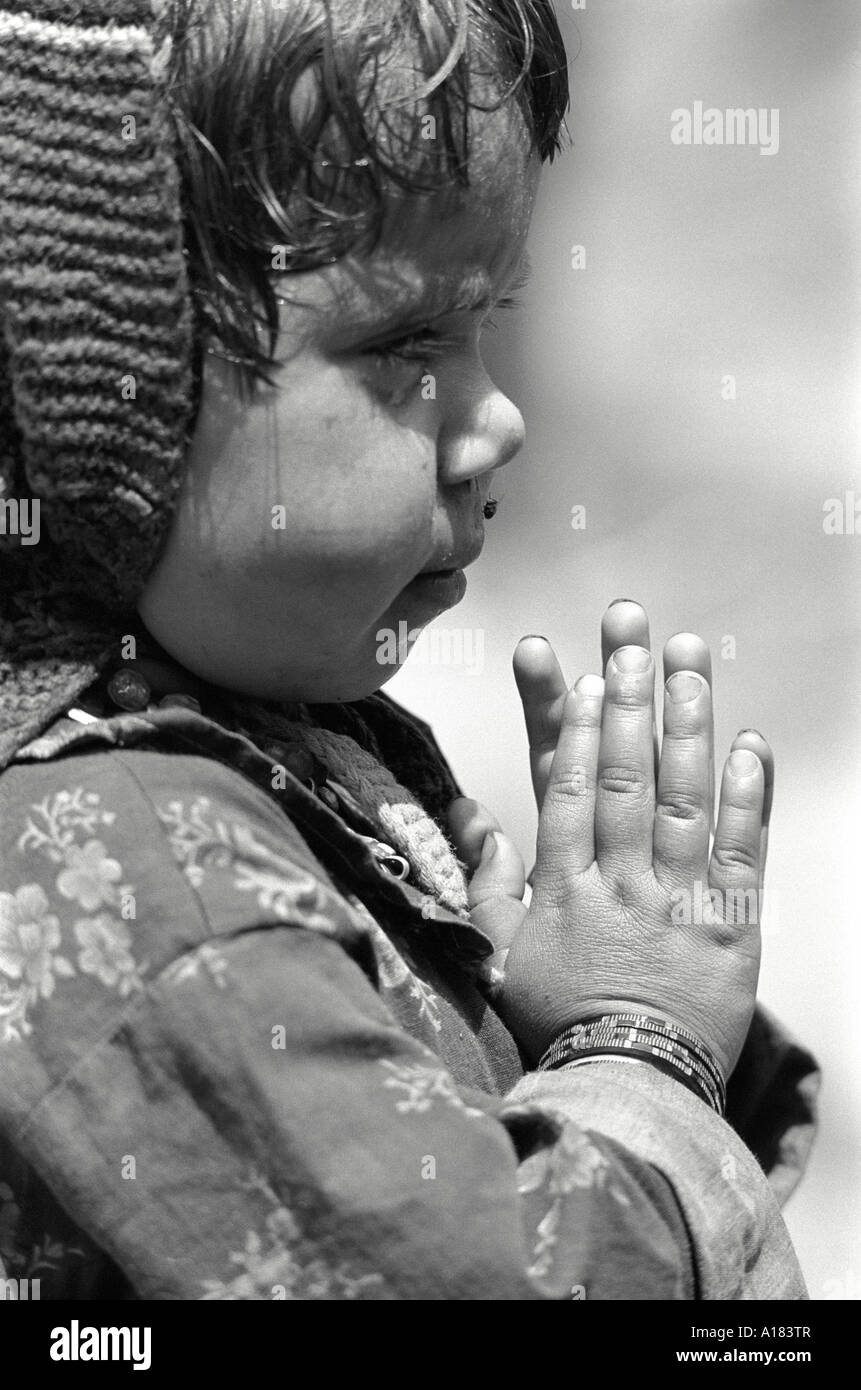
x: 90, y: 875
x: 30, y: 932
x: 394, y: 967
x: 423, y: 1085
x: 289, y: 898
x: 283, y: 1265
x: 268, y: 1270
x: 188, y: 967
x: 202, y: 841
x: 577, y: 1163
x: 56, y: 820
x: 547, y: 1232
x: 574, y: 1161
x: 105, y: 952
x: 197, y: 843
x: 29, y: 936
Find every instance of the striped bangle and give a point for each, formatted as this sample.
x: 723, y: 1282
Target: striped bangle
x: 667, y: 1046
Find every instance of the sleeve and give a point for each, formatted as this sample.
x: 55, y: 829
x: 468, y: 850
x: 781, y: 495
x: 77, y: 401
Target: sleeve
x: 216, y: 1094
x: 772, y: 1101
x: 739, y: 1244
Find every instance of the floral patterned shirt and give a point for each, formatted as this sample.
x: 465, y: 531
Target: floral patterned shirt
x: 240, y: 1061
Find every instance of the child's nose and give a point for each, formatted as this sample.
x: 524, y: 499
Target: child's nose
x: 482, y: 430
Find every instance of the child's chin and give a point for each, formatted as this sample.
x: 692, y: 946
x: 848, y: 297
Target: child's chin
x: 434, y: 593
x: 347, y: 686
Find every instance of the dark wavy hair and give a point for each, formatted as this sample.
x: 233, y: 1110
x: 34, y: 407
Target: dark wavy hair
x: 295, y: 118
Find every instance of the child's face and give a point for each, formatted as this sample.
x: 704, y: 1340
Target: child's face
x: 306, y: 515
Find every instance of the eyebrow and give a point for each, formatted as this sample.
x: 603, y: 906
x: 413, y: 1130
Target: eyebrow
x: 472, y: 291
x: 409, y: 309
x: 440, y: 296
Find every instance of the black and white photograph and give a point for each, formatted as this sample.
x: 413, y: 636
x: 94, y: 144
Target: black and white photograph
x: 430, y: 728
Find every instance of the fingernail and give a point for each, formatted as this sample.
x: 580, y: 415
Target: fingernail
x: 749, y: 731
x: 589, y: 685
x: 621, y: 600
x: 539, y: 637
x: 632, y: 659
x: 742, y: 763
x: 488, y: 847
x: 684, y: 686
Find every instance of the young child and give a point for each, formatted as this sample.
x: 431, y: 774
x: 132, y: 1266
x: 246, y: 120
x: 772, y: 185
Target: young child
x: 275, y: 1021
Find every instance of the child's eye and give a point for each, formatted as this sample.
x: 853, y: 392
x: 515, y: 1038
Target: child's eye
x: 428, y: 344
x: 423, y: 346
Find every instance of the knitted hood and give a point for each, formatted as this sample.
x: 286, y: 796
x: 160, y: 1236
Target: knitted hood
x: 96, y: 343
x: 99, y: 372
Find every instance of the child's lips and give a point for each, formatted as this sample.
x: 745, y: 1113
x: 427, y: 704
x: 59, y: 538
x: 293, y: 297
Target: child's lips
x: 444, y: 584
x: 456, y: 557
x: 442, y: 588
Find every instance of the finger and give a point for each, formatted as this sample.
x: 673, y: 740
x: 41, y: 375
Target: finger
x: 625, y: 624
x: 625, y: 794
x: 566, y: 826
x: 469, y: 823
x: 497, y: 882
x: 682, y: 823
x: 542, y: 690
x: 735, y: 863
x: 495, y: 890
x: 752, y: 739
x: 686, y: 652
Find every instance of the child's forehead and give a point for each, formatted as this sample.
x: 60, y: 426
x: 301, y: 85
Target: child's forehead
x: 455, y: 249
x: 479, y: 242
x: 497, y: 202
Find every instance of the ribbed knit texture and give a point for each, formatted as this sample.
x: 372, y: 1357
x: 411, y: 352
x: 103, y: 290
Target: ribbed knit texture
x: 402, y: 822
x: 96, y: 353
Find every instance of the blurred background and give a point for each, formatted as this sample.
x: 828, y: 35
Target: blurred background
x: 694, y: 386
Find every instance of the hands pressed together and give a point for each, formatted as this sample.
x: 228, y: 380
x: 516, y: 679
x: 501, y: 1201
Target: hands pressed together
x: 634, y: 905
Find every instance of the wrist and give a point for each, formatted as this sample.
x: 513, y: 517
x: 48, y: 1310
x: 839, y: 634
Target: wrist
x: 636, y: 1036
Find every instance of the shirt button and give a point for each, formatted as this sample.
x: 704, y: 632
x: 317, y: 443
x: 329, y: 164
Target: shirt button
x: 129, y: 691
x: 388, y: 861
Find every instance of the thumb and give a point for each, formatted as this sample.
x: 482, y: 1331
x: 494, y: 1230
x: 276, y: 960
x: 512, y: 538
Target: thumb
x: 496, y: 889
x: 498, y: 879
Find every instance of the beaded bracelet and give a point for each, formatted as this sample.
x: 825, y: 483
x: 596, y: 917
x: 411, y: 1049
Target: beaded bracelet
x: 623, y: 1055
x: 667, y: 1046
x: 652, y: 1039
x: 670, y: 1043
